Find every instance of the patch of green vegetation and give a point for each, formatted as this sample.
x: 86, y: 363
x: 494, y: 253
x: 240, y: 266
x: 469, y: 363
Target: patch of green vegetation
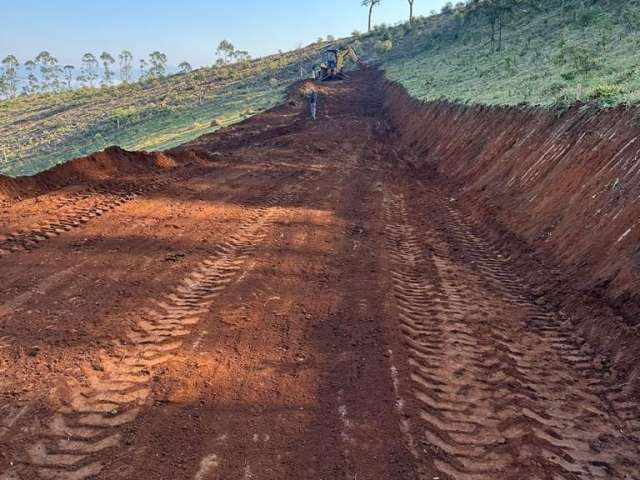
x: 552, y: 52
x: 39, y: 131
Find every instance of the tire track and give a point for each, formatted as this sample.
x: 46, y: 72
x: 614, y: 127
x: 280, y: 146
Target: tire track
x: 72, y: 214
x: 71, y: 444
x: 502, y: 389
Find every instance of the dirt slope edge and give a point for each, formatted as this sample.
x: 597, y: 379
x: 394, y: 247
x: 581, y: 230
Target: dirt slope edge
x: 562, y: 184
x: 111, y: 162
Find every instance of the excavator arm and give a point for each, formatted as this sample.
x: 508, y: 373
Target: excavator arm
x: 348, y: 52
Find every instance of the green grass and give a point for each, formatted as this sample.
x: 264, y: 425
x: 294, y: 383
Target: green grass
x: 549, y: 55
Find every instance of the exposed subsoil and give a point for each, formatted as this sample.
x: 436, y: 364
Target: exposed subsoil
x: 289, y: 299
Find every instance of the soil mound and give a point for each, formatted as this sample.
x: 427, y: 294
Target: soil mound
x: 111, y: 162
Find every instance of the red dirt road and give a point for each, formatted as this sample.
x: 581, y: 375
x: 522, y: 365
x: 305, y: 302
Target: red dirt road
x: 291, y: 301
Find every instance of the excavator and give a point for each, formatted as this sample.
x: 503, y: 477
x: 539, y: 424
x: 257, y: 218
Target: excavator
x: 333, y: 62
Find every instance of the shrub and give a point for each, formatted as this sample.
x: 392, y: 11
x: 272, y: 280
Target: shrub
x: 605, y: 93
x: 384, y: 46
x: 581, y: 59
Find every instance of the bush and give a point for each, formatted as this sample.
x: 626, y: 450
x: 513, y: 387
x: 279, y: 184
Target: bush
x: 581, y: 59
x: 384, y: 46
x: 605, y: 93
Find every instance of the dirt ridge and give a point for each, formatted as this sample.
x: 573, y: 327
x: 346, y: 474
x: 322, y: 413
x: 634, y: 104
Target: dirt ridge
x: 111, y: 162
x: 563, y: 184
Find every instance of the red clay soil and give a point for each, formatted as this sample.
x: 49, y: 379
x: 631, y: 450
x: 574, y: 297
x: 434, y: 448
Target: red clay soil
x: 110, y: 163
x: 366, y: 296
x: 563, y: 183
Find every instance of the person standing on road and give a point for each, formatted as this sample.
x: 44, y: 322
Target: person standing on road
x: 313, y: 104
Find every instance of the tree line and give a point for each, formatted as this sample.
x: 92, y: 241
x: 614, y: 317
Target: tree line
x: 44, y: 73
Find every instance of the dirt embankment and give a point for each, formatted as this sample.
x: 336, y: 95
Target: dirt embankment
x: 564, y: 183
x: 112, y: 162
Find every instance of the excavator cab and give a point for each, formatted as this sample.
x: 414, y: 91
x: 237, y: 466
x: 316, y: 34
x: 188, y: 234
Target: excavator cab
x: 331, y: 58
x: 333, y: 61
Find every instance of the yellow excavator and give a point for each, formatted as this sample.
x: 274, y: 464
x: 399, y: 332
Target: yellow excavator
x: 333, y: 62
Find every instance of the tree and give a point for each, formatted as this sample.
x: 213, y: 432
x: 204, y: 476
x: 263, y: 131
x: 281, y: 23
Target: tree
x: 126, y: 65
x: 158, y: 61
x: 68, y: 75
x: 411, y: 2
x: 143, y: 70
x: 447, y: 8
x: 497, y: 12
x: 242, y: 56
x: 4, y: 91
x: 33, y: 84
x: 107, y: 73
x: 89, y: 70
x: 49, y: 71
x: 225, y: 50
x: 185, y: 67
x: 371, y: 4
x: 10, y: 65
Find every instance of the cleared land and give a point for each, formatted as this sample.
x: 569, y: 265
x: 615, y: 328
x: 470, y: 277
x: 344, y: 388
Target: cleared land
x: 289, y: 299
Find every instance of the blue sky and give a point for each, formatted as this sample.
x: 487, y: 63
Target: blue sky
x: 185, y: 30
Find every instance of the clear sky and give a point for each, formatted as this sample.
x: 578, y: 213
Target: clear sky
x: 183, y: 29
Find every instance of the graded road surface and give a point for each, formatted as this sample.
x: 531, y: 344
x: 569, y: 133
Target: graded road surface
x: 295, y: 303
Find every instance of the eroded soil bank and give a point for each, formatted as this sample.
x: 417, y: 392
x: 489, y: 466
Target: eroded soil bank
x: 556, y: 189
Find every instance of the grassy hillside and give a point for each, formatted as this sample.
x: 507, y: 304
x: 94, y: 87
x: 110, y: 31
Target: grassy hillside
x: 549, y: 54
x: 37, y: 132
x: 552, y: 51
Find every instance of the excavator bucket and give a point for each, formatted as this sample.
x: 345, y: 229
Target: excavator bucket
x: 328, y: 76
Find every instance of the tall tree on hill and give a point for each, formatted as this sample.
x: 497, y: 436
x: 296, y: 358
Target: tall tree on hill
x: 411, y: 2
x: 10, y: 65
x: 242, y: 56
x: 107, y: 73
x: 497, y: 13
x: 371, y: 4
x: 158, y: 62
x: 49, y: 71
x: 142, y: 76
x: 126, y: 65
x: 68, y: 75
x: 33, y: 84
x: 185, y: 67
x: 89, y: 70
x: 225, y: 50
